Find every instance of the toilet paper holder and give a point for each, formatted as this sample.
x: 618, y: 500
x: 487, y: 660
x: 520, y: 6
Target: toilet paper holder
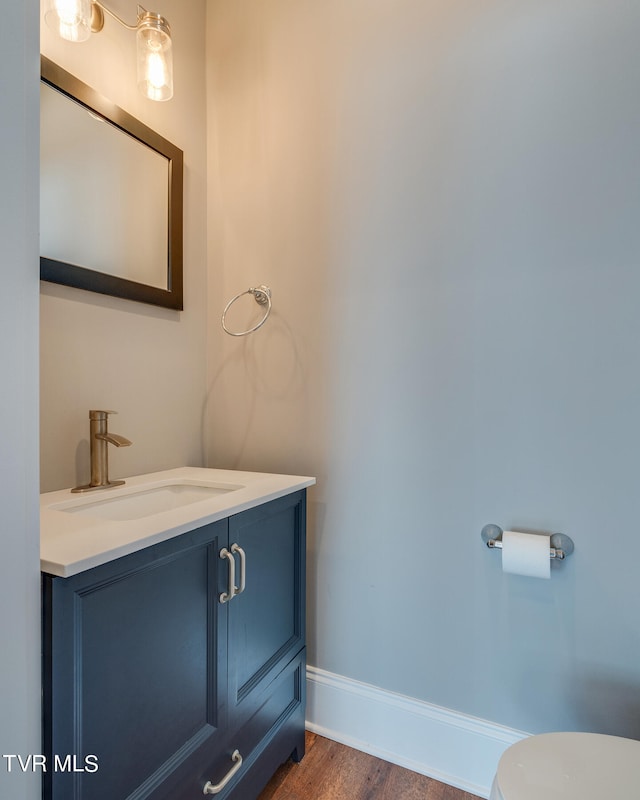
x: 561, y: 545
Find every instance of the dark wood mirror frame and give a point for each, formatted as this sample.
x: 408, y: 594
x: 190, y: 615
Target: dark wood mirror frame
x: 89, y: 279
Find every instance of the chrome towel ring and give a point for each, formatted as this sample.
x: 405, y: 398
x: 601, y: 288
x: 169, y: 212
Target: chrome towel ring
x: 262, y: 295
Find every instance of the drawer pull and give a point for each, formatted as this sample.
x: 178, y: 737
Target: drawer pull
x: 210, y: 788
x: 235, y: 548
x: 226, y: 596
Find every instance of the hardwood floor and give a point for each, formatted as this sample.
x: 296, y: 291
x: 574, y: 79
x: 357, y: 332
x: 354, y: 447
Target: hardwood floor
x: 332, y: 771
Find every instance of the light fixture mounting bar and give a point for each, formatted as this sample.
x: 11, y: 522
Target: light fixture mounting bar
x: 97, y: 17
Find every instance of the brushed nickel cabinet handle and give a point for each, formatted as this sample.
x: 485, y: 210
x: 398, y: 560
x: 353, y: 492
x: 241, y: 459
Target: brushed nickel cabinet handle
x: 210, y: 788
x: 226, y: 596
x: 235, y: 548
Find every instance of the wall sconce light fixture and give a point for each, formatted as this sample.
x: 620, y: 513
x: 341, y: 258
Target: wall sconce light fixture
x: 76, y: 20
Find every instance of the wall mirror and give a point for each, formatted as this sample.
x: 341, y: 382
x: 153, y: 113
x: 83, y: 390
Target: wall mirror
x: 110, y: 196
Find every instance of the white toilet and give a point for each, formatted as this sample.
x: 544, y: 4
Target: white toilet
x: 569, y: 766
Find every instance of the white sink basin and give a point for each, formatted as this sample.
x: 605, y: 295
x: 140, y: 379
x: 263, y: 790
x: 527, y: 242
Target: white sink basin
x: 145, y: 502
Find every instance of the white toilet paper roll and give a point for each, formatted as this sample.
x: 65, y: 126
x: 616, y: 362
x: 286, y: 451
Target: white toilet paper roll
x: 526, y: 554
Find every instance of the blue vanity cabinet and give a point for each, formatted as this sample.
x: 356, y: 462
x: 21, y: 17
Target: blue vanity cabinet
x: 151, y: 683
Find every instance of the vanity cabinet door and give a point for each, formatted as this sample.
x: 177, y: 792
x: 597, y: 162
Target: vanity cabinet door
x: 135, y: 672
x: 267, y: 621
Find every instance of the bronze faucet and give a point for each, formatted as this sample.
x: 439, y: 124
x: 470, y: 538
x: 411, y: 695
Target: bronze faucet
x: 99, y: 441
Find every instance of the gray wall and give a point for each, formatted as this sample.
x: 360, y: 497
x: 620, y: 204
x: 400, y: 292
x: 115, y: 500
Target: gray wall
x: 19, y: 531
x: 444, y: 199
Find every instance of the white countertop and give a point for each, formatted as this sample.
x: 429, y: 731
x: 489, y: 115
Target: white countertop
x: 73, y: 542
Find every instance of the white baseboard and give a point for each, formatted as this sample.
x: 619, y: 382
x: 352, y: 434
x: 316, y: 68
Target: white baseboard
x: 451, y: 747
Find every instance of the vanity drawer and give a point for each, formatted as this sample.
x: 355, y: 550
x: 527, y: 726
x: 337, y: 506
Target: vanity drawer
x: 278, y: 723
